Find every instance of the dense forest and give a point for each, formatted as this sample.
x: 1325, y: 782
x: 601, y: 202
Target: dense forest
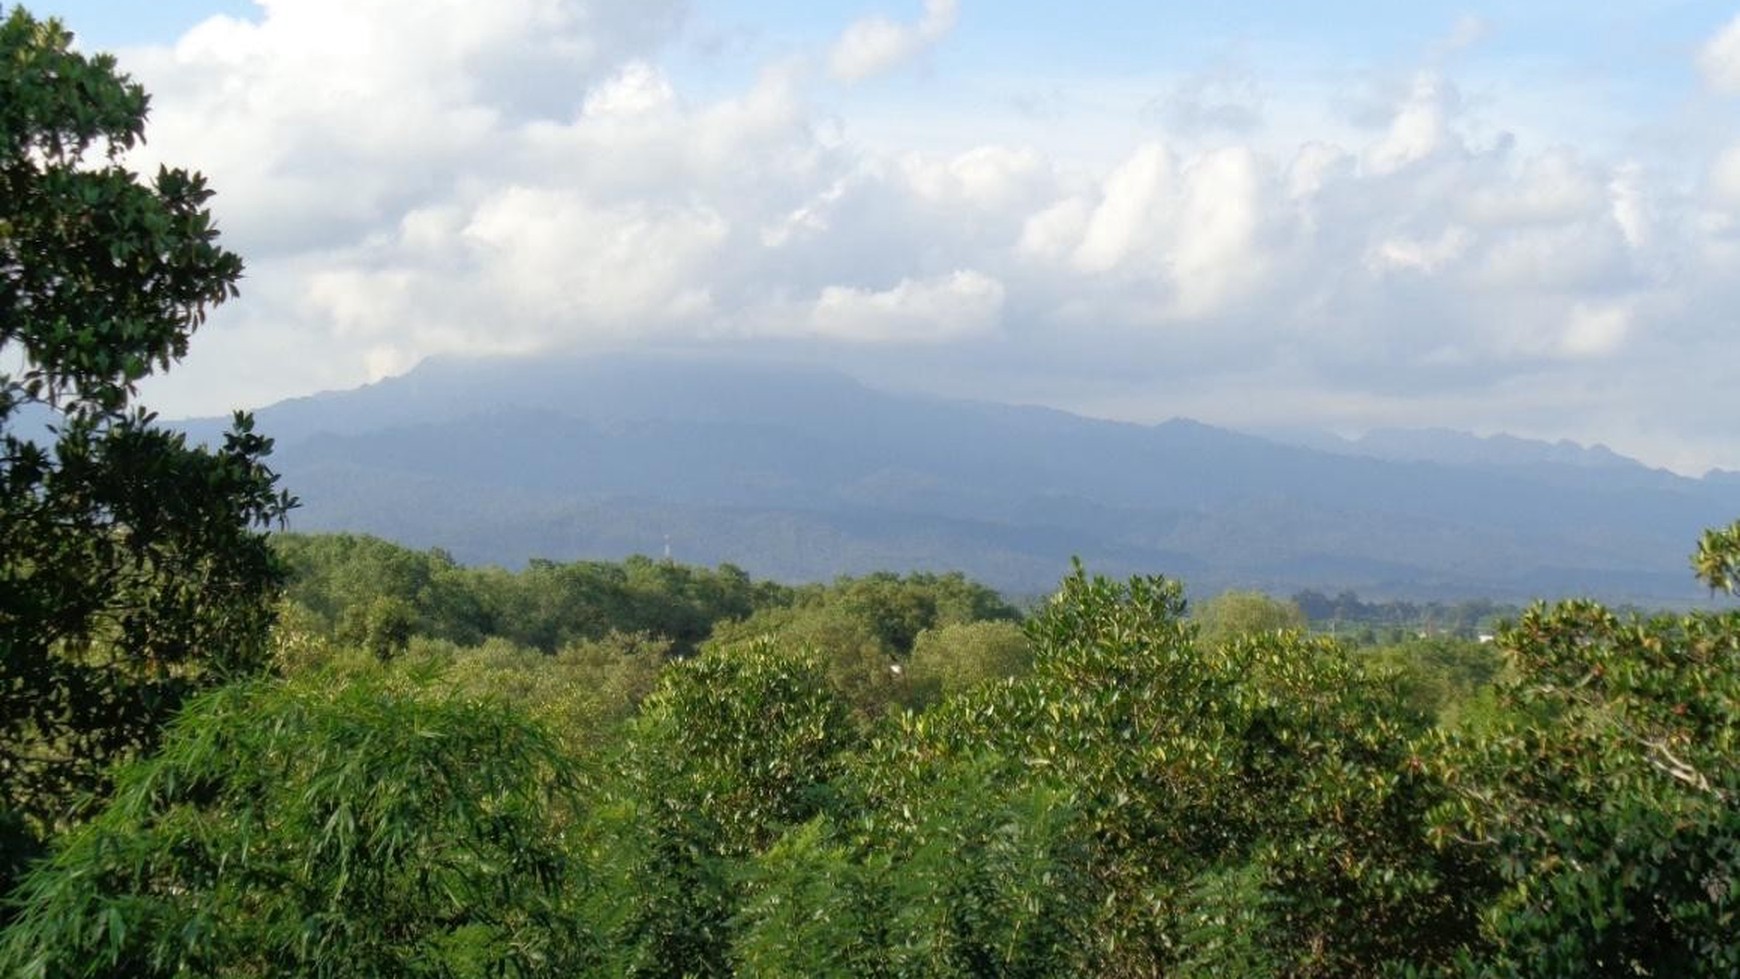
x: 644, y: 768
x: 230, y: 751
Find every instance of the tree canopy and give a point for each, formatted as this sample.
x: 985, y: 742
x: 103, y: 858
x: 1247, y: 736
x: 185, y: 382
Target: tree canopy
x: 132, y: 572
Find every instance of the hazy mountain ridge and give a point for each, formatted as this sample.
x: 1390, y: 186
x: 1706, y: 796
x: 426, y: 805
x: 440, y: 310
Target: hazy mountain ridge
x: 1451, y: 447
x: 801, y: 473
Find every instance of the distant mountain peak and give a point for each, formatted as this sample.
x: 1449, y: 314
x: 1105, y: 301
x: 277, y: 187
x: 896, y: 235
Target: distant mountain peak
x: 1450, y: 447
x: 799, y: 472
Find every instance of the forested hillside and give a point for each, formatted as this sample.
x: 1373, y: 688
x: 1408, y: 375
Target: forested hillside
x: 226, y: 750
x: 800, y: 474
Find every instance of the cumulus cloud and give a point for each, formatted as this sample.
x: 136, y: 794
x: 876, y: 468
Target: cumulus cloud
x: 1725, y: 178
x: 1418, y: 129
x: 639, y: 89
x: 1187, y: 235
x: 561, y: 258
x: 962, y: 304
x: 325, y: 117
x: 1719, y: 59
x: 1135, y: 207
x: 876, y: 44
x: 1631, y: 208
x: 410, y: 178
x: 1416, y: 255
x: 1549, y: 189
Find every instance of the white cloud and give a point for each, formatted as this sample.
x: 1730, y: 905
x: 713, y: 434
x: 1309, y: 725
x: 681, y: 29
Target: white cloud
x: 1595, y: 331
x: 1725, y: 178
x: 1719, y: 60
x: 639, y: 89
x: 1571, y: 257
x: 409, y: 179
x: 989, y: 178
x: 327, y: 116
x: 1056, y: 230
x: 1549, y: 189
x: 1314, y: 165
x: 1420, y: 255
x: 564, y: 262
x: 1418, y: 129
x: 962, y: 304
x: 1186, y: 235
x: 1216, y: 257
x: 1134, y: 209
x: 1630, y: 201
x: 876, y: 44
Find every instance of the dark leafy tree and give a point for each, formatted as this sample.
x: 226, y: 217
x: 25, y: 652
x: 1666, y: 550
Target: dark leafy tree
x: 1261, y: 786
x: 382, y: 627
x: 988, y: 879
x: 339, y: 576
x: 284, y: 830
x: 899, y: 607
x: 960, y: 656
x: 734, y: 748
x: 1442, y: 677
x: 1232, y: 614
x: 1606, y: 793
x: 132, y: 572
x: 1717, y: 560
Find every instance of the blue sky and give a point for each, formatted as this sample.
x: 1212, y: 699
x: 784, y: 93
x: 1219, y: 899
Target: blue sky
x: 109, y: 24
x: 1518, y: 217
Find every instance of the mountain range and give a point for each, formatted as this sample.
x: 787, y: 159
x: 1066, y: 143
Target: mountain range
x: 798, y: 473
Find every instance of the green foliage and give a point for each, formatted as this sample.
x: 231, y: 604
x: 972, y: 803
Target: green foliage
x: 744, y: 740
x: 1604, y: 796
x: 732, y: 750
x: 383, y: 626
x: 339, y: 577
x: 1717, y: 560
x: 621, y: 670
x: 583, y: 693
x: 350, y: 581
x: 1226, y: 925
x: 284, y: 830
x: 957, y: 657
x: 363, y: 592
x: 550, y: 605
x: 131, y: 570
x: 866, y: 629
x: 899, y: 608
x: 1264, y: 780
x: 1347, y: 615
x: 1233, y: 614
x: 859, y: 667
x: 299, y: 640
x: 1441, y: 677
x: 1132, y: 801
x: 987, y: 879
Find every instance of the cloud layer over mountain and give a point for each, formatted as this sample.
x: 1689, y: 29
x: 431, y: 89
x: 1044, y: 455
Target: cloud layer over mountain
x: 1252, y: 237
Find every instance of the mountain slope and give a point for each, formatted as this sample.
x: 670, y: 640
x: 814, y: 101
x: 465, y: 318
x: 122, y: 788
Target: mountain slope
x: 798, y: 473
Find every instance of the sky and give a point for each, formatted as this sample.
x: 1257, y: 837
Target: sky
x: 1516, y: 217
